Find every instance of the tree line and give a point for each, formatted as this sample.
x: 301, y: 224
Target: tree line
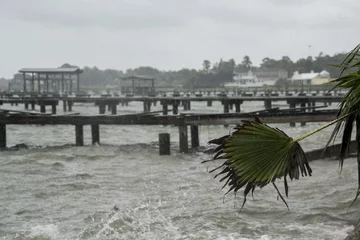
x: 211, y: 74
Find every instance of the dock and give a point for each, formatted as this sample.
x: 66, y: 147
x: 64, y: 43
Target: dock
x: 184, y: 122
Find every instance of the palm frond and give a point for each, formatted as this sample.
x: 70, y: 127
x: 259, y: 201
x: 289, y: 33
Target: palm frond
x: 349, y: 107
x: 255, y: 155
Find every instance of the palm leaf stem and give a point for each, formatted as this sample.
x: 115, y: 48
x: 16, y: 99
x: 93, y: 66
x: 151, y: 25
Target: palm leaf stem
x: 302, y: 137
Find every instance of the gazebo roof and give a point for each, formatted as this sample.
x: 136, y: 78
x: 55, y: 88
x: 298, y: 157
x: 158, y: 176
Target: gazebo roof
x: 51, y: 70
x: 137, y: 78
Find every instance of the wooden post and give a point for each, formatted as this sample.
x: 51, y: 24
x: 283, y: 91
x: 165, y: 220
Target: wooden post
x: 53, y: 109
x: 165, y: 108
x: 226, y: 107
x: 109, y: 107
x: 2, y: 136
x: 292, y: 105
x: 26, y: 106
x: 102, y: 108
x: 33, y: 106
x: 267, y: 104
x: 209, y: 103
x: 313, y: 106
x: 79, y: 135
x: 42, y: 108
x: 148, y: 106
x: 62, y: 83
x: 70, y: 103
x: 71, y: 83
x: 113, y: 109
x: 24, y: 86
x: 164, y: 143
x: 77, y: 83
x: 183, y: 139
x: 237, y: 107
x: 32, y: 82
x: 47, y: 83
x: 184, y: 103
x: 231, y: 106
x: 64, y: 106
x: 189, y: 105
x: 303, y: 105
x: 95, y: 134
x: 175, y: 108
x: 38, y: 80
x: 194, y: 136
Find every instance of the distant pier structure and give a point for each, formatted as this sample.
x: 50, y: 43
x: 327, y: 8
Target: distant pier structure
x: 50, y: 80
x: 137, y: 85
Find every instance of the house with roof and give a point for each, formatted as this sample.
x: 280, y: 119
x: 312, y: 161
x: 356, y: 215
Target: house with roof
x: 311, y: 78
x: 257, y: 78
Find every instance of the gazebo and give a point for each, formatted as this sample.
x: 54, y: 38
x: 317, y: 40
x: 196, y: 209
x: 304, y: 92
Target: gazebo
x: 50, y: 80
x: 137, y: 85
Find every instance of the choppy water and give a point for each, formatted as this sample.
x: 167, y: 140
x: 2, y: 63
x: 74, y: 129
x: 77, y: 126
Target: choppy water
x: 123, y: 189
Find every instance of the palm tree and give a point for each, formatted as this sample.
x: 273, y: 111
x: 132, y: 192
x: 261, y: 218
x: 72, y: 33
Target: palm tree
x: 246, y: 62
x: 255, y: 154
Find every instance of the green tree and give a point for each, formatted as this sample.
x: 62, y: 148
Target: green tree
x: 255, y: 154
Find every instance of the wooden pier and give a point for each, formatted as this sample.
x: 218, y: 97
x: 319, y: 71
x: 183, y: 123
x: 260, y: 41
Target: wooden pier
x: 112, y: 103
x: 182, y: 121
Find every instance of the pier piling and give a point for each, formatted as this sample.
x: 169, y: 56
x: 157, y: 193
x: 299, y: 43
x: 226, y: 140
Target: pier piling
x: 2, y: 136
x: 79, y: 135
x: 183, y: 139
x: 194, y: 136
x: 164, y: 143
x: 95, y: 134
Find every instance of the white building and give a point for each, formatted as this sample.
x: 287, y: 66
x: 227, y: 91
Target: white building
x: 257, y: 78
x: 311, y: 78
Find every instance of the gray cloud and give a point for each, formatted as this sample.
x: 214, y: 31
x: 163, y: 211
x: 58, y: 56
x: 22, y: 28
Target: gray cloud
x: 170, y: 33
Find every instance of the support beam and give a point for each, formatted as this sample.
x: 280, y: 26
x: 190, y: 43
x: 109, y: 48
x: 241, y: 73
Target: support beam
x: 267, y: 104
x: 2, y: 136
x: 226, y: 107
x: 42, y: 108
x: 183, y: 139
x: 95, y: 134
x: 292, y: 105
x: 114, y: 109
x: 194, y: 136
x: 79, y: 135
x: 77, y: 83
x: 237, y: 107
x: 303, y: 105
x: 165, y: 108
x: 32, y: 82
x: 70, y: 104
x: 47, y: 83
x: 175, y: 108
x: 64, y: 106
x: 38, y: 81
x: 53, y: 109
x: 24, y: 86
x: 102, y: 108
x: 164, y: 143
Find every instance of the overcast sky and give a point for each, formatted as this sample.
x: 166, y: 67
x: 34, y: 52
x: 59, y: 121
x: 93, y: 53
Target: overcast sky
x: 170, y: 34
